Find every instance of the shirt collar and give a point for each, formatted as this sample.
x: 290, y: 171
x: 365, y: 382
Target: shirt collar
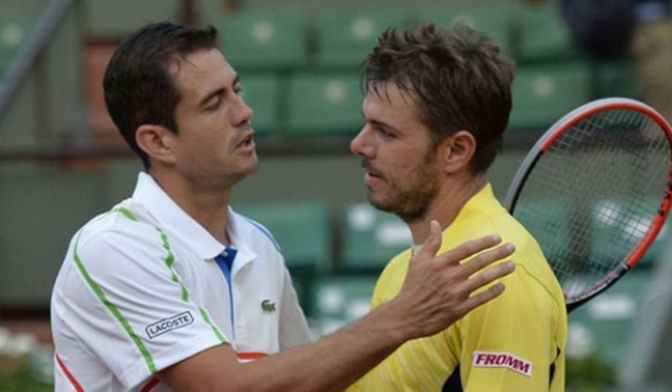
x: 239, y: 233
x: 173, y: 220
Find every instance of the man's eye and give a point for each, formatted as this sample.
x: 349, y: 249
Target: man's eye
x: 384, y: 132
x: 215, y: 105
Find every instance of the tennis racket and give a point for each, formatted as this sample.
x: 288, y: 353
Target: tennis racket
x: 595, y: 192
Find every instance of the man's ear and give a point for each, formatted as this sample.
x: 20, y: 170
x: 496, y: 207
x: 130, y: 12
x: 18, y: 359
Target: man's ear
x: 157, y: 142
x: 457, y: 150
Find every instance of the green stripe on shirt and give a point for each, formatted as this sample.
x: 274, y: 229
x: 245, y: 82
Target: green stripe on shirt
x: 169, y: 262
x: 113, y: 309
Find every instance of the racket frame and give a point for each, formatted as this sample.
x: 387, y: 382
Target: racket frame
x: 544, y: 143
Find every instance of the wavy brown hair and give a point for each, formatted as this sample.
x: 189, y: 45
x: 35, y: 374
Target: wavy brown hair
x: 459, y: 78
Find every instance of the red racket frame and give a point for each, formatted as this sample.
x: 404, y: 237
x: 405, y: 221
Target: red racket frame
x: 546, y: 141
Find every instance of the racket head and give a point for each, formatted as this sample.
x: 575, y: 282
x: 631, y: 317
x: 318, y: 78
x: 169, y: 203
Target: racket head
x: 594, y: 191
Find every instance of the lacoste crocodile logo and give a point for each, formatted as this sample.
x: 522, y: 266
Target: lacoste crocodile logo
x: 267, y: 306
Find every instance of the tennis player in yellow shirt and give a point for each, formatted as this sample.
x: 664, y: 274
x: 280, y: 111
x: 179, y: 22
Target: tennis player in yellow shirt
x: 436, y: 106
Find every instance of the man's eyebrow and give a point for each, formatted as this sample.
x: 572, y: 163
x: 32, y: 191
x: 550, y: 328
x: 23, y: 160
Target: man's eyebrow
x: 377, y: 123
x: 217, y: 92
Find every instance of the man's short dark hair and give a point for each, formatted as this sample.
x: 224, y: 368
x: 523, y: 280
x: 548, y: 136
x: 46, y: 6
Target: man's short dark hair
x: 138, y: 85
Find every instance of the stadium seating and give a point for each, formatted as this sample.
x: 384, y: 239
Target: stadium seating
x: 323, y: 104
x: 339, y: 301
x: 606, y: 322
x: 344, y: 38
x: 303, y: 232
x: 370, y: 239
x: 495, y: 21
x: 260, y: 41
x: 540, y: 35
x: 262, y: 93
x: 543, y: 93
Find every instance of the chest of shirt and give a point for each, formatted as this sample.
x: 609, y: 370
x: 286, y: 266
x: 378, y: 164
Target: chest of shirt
x: 245, y: 305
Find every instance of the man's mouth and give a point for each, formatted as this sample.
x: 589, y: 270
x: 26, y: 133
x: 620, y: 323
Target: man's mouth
x: 369, y: 169
x: 247, y: 141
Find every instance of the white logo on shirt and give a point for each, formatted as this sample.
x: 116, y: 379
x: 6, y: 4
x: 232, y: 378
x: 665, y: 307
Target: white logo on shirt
x: 505, y: 360
x: 170, y: 324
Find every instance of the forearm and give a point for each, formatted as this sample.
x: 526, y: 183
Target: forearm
x: 333, y: 363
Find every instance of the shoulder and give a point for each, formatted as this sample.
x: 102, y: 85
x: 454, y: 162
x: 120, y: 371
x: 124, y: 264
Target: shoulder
x: 123, y: 233
x: 533, y: 273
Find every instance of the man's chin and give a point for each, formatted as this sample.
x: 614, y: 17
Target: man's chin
x: 379, y: 204
x: 245, y: 172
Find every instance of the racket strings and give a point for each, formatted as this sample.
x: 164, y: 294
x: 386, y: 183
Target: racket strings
x: 597, y: 189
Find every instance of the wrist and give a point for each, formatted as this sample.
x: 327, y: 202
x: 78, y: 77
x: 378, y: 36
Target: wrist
x: 394, y: 323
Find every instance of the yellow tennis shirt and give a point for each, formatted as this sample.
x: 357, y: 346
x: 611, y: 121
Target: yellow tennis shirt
x: 513, y: 343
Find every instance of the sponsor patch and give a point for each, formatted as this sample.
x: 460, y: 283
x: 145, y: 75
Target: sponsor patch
x: 169, y: 324
x: 502, y: 360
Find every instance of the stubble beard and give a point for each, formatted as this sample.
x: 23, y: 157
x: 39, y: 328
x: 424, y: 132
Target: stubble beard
x: 411, y: 204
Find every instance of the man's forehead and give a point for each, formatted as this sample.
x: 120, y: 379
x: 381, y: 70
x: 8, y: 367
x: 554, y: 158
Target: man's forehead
x: 391, y: 93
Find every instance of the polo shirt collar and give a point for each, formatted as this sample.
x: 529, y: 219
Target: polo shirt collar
x: 239, y: 232
x: 173, y: 220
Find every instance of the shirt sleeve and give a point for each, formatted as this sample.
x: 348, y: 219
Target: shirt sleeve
x: 509, y: 344
x: 129, y: 306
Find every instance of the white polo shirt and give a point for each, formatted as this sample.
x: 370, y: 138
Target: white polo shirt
x: 140, y: 290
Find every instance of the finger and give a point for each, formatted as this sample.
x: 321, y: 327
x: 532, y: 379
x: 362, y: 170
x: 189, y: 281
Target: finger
x: 488, y: 276
x: 477, y: 300
x: 486, y: 258
x: 468, y: 249
x: 433, y: 243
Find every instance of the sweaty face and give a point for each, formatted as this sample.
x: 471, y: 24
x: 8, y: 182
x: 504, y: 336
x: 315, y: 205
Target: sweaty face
x: 401, y: 171
x: 214, y: 145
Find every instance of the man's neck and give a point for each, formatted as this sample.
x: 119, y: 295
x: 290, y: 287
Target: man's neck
x: 206, y: 205
x: 448, y: 204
